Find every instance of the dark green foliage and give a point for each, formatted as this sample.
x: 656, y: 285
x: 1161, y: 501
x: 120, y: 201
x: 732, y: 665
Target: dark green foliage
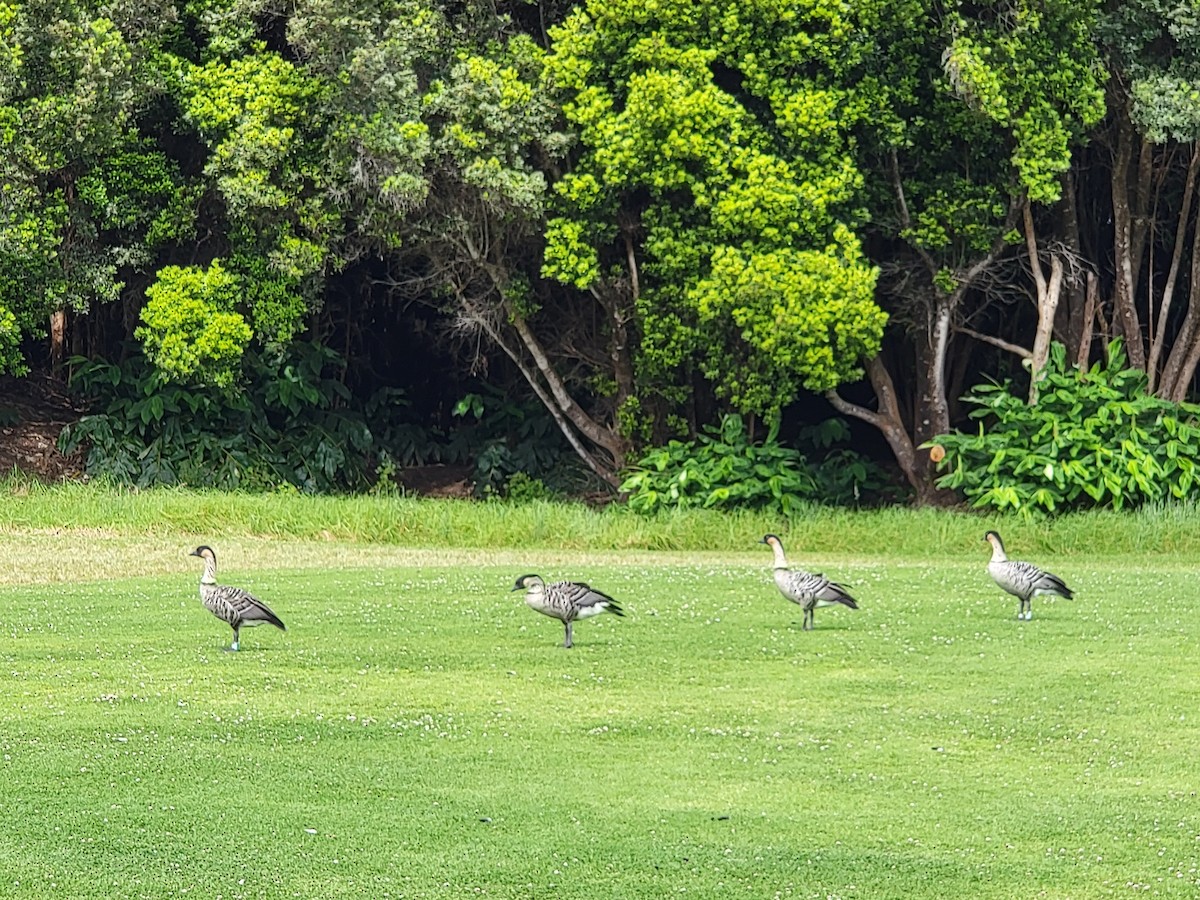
x: 724, y: 469
x: 1094, y: 438
x: 844, y: 476
x: 518, y: 449
x: 292, y: 422
x: 288, y: 425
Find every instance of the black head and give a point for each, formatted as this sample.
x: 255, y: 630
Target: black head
x: 204, y: 551
x: 524, y: 582
x: 770, y: 539
x: 993, y: 537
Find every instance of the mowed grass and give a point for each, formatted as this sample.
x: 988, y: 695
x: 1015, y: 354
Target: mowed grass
x: 418, y: 732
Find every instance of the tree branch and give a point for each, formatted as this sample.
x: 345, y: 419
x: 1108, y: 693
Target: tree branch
x: 995, y: 341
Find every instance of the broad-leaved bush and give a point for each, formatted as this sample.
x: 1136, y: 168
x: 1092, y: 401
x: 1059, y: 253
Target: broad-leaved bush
x: 721, y: 469
x: 1094, y: 438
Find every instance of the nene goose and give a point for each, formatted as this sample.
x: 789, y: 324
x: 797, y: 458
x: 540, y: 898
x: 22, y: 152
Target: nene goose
x: 231, y: 604
x: 565, y: 601
x: 1021, y: 579
x: 806, y: 589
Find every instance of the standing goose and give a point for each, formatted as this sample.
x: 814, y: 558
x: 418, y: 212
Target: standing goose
x: 230, y: 604
x: 565, y: 600
x: 806, y: 589
x: 1021, y: 579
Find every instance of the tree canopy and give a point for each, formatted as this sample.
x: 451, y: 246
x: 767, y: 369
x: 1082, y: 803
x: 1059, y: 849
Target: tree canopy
x: 640, y: 216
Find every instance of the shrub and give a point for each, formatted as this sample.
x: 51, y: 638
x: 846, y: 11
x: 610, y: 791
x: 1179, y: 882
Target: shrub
x: 722, y: 469
x: 519, y: 451
x: 1094, y: 438
x: 289, y: 424
x: 190, y: 329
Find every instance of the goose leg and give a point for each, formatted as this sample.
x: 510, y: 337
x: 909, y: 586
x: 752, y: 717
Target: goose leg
x: 567, y: 643
x: 234, y: 646
x: 808, y: 621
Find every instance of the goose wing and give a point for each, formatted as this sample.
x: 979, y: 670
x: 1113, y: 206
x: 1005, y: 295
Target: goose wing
x: 1024, y: 580
x: 585, y: 599
x: 234, y: 604
x: 813, y: 587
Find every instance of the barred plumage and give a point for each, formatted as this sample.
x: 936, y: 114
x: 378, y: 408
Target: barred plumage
x: 806, y: 589
x: 1021, y: 579
x: 230, y: 604
x: 565, y: 601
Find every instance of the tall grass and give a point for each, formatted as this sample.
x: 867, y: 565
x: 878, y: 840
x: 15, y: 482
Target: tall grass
x: 416, y: 523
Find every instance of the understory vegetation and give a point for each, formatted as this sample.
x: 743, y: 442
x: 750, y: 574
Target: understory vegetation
x: 293, y: 423
x: 725, y: 469
x: 1094, y: 437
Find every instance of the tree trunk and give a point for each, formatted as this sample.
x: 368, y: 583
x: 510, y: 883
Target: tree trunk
x: 933, y: 405
x: 915, y: 465
x: 1129, y: 233
x: 1048, y: 292
x: 1159, y: 338
x: 58, y: 340
x: 1073, y: 320
x: 1185, y: 352
x: 1083, y: 354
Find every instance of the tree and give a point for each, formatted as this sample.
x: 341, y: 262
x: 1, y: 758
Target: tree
x: 976, y: 121
x: 710, y: 203
x: 1153, y: 143
x: 438, y: 145
x: 86, y: 197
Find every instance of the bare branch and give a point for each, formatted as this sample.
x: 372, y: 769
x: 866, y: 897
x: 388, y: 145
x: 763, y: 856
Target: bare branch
x: 905, y: 220
x: 995, y: 341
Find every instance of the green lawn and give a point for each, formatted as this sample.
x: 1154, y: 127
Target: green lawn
x: 418, y: 732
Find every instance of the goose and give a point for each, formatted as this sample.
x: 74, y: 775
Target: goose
x: 565, y: 601
x: 230, y: 604
x: 1021, y: 579
x: 806, y: 589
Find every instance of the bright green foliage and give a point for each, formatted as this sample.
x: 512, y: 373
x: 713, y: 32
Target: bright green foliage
x: 722, y: 469
x: 274, y: 302
x: 1093, y: 438
x: 250, y: 111
x: 138, y: 190
x: 1033, y: 68
x: 761, y: 311
x: 718, y: 141
x: 85, y: 198
x: 11, y: 359
x: 190, y: 327
x: 260, y: 116
x: 956, y: 186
